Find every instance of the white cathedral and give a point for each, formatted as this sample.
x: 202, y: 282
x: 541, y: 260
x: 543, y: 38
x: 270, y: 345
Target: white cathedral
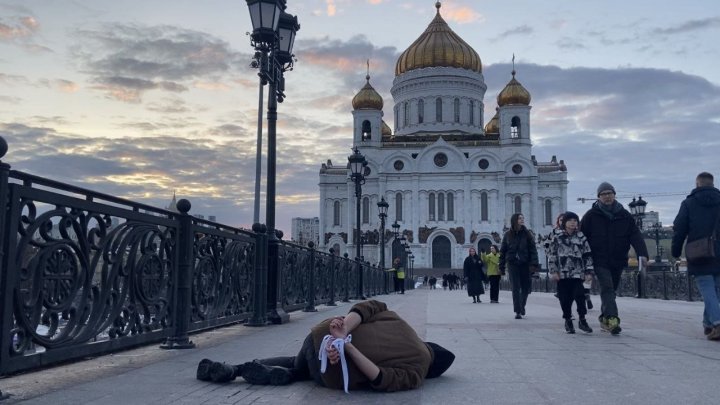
x: 451, y: 182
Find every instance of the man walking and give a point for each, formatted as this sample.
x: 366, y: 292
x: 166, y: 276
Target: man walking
x: 611, y: 230
x: 698, y: 219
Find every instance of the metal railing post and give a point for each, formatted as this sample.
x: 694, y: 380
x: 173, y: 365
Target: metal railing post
x: 260, y: 285
x: 5, y: 289
x: 347, y: 279
x: 180, y: 339
x: 331, y: 298
x: 310, y: 305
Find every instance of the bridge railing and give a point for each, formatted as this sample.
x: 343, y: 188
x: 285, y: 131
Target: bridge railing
x: 84, y: 273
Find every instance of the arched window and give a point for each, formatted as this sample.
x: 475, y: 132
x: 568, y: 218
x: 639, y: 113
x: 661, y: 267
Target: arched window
x: 441, y: 207
x: 398, y: 206
x: 484, y: 207
x: 472, y: 112
x: 518, y: 205
x: 336, y: 213
x: 456, y: 110
x: 431, y: 207
x: 548, y: 212
x: 421, y: 111
x: 515, y: 127
x: 438, y: 109
x: 366, y: 210
x: 450, y: 207
x: 406, y: 118
x: 366, y: 131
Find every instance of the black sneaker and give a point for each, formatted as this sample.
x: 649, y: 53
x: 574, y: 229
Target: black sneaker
x: 583, y: 326
x: 280, y: 376
x: 203, y: 370
x: 569, y: 328
x: 221, y: 372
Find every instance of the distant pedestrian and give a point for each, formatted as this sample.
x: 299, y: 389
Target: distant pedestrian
x: 474, y: 275
x: 433, y: 281
x: 492, y: 264
x: 697, y: 220
x: 611, y: 230
x: 570, y: 262
x: 519, y: 254
x: 399, y: 276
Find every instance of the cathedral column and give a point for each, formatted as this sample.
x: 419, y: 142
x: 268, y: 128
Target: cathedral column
x: 537, y: 209
x: 528, y: 209
x: 415, y: 198
x: 501, y: 204
x: 467, y: 208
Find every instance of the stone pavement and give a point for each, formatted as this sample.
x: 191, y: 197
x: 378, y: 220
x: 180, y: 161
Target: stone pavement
x: 661, y: 357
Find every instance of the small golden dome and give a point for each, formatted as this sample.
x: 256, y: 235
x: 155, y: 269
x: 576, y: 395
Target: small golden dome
x: 438, y: 46
x: 513, y: 94
x: 493, y: 126
x: 367, y: 98
x: 385, y: 130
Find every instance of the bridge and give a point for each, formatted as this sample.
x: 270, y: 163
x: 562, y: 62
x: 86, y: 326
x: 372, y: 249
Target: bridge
x: 661, y: 357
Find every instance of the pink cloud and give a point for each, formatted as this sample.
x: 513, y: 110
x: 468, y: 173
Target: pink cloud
x: 20, y: 28
x: 460, y: 14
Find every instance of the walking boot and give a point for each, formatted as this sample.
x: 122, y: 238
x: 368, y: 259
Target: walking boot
x: 256, y: 373
x: 221, y: 372
x: 203, y: 369
x: 518, y: 316
x: 714, y: 333
x: 280, y: 375
x: 569, y: 328
x: 583, y: 326
x: 613, y: 325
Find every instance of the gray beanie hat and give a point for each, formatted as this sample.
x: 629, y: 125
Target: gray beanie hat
x: 605, y: 186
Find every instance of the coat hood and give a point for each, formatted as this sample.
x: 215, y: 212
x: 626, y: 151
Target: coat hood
x: 706, y: 196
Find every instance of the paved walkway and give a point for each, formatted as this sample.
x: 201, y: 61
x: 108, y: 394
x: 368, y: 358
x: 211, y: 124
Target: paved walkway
x: 661, y: 357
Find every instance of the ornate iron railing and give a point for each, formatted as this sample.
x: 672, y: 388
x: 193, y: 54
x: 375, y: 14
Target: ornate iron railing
x: 84, y: 273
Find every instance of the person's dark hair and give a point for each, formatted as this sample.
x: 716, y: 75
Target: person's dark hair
x: 705, y: 179
x: 442, y: 360
x: 514, y: 221
x: 568, y: 216
x: 497, y: 249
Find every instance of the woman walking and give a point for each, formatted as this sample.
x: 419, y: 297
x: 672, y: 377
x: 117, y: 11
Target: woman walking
x: 518, y: 253
x: 474, y: 276
x: 570, y: 262
x: 492, y: 263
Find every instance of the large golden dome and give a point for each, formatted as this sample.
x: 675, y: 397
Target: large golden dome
x: 493, y: 126
x: 514, y: 93
x: 438, y: 46
x: 367, y: 98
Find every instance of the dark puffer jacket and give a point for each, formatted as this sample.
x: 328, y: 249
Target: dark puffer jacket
x: 610, y: 238
x: 696, y: 219
x: 518, y: 249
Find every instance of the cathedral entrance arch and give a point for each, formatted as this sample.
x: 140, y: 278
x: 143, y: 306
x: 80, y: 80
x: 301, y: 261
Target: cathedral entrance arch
x: 484, y: 245
x: 441, y: 255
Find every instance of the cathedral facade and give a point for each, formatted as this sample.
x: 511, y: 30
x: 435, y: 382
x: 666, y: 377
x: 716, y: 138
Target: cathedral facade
x: 452, y: 181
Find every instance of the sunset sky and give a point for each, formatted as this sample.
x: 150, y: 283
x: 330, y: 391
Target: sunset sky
x: 142, y: 98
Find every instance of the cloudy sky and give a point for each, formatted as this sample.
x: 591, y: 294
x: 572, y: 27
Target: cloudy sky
x: 142, y: 98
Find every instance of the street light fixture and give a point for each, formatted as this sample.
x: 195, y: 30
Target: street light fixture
x: 382, y: 209
x: 658, y: 249
x: 272, y: 37
x: 357, y: 164
x: 637, y: 209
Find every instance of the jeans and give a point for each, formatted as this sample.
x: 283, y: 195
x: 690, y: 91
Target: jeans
x: 494, y: 287
x: 709, y: 286
x: 304, y: 366
x: 609, y: 280
x: 520, y: 279
x: 571, y: 290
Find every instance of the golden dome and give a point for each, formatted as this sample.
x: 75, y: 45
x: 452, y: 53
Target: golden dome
x: 367, y: 98
x: 513, y: 93
x: 493, y: 126
x: 438, y: 46
x: 385, y: 130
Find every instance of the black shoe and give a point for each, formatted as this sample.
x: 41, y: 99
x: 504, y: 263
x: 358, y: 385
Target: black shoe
x: 203, y: 369
x: 256, y: 373
x: 221, y: 372
x: 706, y: 331
x: 569, y: 328
x: 518, y: 316
x: 583, y: 326
x: 522, y: 312
x: 479, y: 300
x: 474, y: 301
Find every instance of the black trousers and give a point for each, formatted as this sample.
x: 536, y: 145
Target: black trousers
x: 494, y: 287
x: 400, y: 285
x: 304, y: 366
x: 520, y: 279
x: 569, y: 290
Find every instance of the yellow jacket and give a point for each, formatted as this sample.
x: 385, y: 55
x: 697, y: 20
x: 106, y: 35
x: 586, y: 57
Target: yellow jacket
x: 492, y: 263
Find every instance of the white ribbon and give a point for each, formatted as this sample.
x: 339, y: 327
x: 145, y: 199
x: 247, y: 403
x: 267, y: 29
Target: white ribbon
x: 338, y: 344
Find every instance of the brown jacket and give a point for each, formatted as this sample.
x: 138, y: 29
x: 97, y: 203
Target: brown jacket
x: 389, y: 342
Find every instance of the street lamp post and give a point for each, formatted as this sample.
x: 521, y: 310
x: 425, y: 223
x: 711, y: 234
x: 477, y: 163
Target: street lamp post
x: 357, y: 165
x: 382, y: 209
x: 637, y: 209
x: 658, y: 249
x: 273, y: 38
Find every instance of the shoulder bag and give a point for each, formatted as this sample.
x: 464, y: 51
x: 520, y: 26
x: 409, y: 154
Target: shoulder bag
x: 703, y: 249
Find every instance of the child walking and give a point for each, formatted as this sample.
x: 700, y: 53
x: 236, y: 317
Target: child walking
x: 570, y: 263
